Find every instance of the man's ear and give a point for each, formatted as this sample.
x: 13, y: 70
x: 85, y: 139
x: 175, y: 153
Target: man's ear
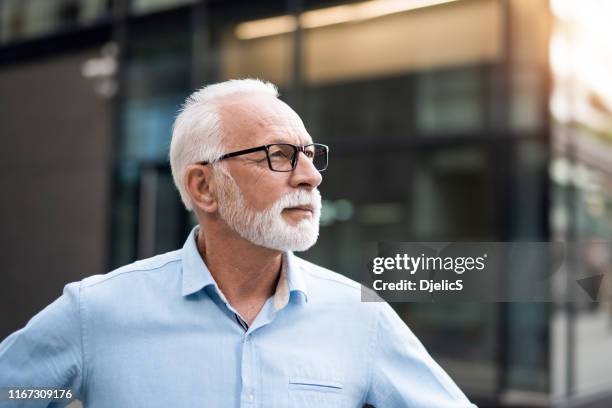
x: 200, y: 186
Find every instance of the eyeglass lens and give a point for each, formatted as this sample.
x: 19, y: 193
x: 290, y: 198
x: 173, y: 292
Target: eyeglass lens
x: 282, y: 156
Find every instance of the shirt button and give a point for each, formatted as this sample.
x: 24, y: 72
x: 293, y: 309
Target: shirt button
x: 251, y: 397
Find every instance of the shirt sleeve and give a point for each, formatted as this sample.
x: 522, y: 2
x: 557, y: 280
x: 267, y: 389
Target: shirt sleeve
x: 403, y: 374
x: 46, y: 353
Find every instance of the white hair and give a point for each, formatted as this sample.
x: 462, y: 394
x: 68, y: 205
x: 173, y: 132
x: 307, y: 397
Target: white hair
x: 197, y: 132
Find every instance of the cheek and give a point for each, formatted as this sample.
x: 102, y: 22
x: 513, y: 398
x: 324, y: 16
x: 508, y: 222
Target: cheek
x: 263, y: 193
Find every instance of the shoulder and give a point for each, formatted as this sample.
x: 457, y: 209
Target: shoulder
x: 137, y: 272
x: 314, y: 272
x: 326, y: 284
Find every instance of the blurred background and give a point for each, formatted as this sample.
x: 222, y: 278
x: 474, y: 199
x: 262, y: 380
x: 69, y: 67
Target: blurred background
x: 473, y: 120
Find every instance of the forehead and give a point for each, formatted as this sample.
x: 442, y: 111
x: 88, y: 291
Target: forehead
x: 250, y: 120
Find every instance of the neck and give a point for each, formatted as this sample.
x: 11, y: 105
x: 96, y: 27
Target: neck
x: 246, y: 273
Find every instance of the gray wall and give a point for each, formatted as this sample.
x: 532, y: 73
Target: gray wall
x: 55, y: 135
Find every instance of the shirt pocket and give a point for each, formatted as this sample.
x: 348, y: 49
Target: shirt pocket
x: 313, y: 392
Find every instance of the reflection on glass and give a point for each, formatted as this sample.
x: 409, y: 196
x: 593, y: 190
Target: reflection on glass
x: 148, y: 6
x: 23, y: 19
x: 268, y: 58
x: 450, y: 101
x: 581, y: 209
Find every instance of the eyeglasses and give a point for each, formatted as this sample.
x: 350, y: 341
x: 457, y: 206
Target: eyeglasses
x: 284, y: 156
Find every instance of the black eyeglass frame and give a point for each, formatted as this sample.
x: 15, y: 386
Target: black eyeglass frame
x: 266, y: 148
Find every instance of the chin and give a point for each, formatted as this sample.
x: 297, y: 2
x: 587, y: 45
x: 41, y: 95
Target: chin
x: 304, y: 247
x: 297, y: 238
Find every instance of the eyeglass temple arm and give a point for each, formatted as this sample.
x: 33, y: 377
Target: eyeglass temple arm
x: 238, y: 153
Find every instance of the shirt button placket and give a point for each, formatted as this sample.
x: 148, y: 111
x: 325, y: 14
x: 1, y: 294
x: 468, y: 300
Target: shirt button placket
x: 248, y: 371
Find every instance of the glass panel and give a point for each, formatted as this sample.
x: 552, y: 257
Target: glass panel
x: 585, y: 208
x: 400, y: 107
x: 93, y: 10
x: 339, y: 47
x: 346, y: 112
x: 156, y: 80
x: 268, y: 58
x: 450, y: 100
x: 148, y: 6
x: 162, y: 221
x: 581, y: 171
x: 526, y: 336
x: 22, y: 19
x: 584, y: 204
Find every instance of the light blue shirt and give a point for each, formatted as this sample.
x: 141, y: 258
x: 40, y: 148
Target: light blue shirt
x: 159, y: 333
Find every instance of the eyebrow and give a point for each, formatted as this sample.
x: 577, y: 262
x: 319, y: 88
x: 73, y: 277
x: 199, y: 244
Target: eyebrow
x: 285, y: 141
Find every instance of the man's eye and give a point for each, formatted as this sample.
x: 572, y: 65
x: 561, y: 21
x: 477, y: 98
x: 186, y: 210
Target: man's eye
x: 279, y: 154
x: 309, y: 154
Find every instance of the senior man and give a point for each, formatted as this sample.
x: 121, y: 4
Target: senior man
x: 233, y: 319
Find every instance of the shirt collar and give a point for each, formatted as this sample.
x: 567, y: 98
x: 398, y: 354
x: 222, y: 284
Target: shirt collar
x: 195, y: 272
x: 196, y: 275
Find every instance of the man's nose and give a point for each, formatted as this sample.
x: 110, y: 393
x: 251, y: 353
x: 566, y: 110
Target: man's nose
x: 305, y: 174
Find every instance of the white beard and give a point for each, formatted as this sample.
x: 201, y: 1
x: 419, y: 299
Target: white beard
x: 268, y: 228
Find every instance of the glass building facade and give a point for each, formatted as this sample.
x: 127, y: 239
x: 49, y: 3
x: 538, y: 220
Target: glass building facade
x: 446, y: 122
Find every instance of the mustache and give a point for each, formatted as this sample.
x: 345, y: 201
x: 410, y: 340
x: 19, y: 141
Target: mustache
x: 299, y: 198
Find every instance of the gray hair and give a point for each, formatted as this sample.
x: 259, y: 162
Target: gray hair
x: 197, y: 134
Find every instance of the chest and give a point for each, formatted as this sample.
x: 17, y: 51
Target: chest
x: 286, y: 364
